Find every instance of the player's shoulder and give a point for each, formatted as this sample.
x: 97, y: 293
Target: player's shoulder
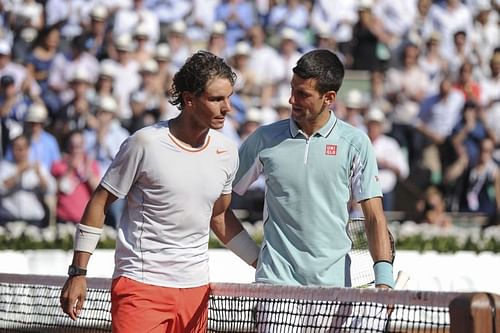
x: 273, y: 130
x: 150, y: 133
x: 353, y: 135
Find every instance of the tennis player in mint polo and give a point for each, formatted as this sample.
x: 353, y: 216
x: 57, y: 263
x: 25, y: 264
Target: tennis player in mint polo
x: 312, y: 163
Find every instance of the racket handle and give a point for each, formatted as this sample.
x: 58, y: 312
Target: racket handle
x: 402, y: 280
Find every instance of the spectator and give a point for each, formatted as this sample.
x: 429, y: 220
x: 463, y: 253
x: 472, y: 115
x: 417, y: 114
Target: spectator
x: 433, y: 209
x: 24, y: 184
x: 336, y: 19
x: 238, y: 15
x: 447, y: 19
x: 291, y: 14
x: 39, y: 63
x: 44, y: 148
x: 127, y: 77
x: 103, y: 142
x: 466, y: 139
x: 104, y: 85
x: 77, y: 113
x: 432, y: 63
x: 246, y: 85
x: 486, y: 34
x: 369, y: 38
x: 406, y: 88
x: 289, y: 54
x: 13, y: 104
x: 264, y: 62
x: 355, y: 108
x: 179, y: 45
x: 484, y: 184
x: 66, y: 63
x: 143, y: 50
x: 170, y: 11
x: 96, y: 32
x: 69, y: 14
x: 148, y: 103
x: 23, y: 82
x: 422, y: 24
x: 77, y: 176
x: 137, y: 14
x: 437, y: 117
x: 217, y: 41
x: 391, y: 161
x: 465, y: 83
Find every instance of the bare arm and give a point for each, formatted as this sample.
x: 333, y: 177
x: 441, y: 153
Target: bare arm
x: 224, y: 223
x: 75, y: 289
x: 376, y: 230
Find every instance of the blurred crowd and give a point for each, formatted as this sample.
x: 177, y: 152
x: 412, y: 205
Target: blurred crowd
x: 78, y: 76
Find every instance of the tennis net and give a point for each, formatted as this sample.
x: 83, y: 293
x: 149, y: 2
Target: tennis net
x: 31, y: 304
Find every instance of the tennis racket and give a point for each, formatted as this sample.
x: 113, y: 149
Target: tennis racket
x: 361, y: 267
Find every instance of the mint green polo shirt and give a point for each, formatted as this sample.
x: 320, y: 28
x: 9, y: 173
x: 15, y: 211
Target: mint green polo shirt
x: 309, y: 182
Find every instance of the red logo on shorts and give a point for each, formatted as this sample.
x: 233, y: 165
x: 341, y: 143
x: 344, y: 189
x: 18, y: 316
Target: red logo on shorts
x: 331, y: 150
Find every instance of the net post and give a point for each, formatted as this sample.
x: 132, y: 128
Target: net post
x: 475, y: 313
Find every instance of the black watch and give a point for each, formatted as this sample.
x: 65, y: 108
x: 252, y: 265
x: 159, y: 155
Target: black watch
x: 76, y: 271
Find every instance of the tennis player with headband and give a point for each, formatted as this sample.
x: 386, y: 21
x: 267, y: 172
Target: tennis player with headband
x: 177, y: 178
x: 312, y: 164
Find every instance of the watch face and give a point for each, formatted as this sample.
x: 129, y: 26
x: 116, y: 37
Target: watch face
x: 73, y: 270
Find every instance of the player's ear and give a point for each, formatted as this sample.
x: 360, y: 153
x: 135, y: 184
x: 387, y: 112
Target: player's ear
x: 330, y: 97
x: 187, y: 98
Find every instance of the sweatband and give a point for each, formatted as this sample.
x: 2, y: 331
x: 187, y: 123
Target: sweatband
x: 86, y: 238
x: 244, y: 247
x: 383, y: 273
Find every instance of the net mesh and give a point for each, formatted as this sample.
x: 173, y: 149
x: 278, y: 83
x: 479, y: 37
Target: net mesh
x: 31, y: 304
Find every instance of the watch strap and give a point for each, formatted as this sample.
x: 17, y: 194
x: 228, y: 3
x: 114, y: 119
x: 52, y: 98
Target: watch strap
x: 76, y: 271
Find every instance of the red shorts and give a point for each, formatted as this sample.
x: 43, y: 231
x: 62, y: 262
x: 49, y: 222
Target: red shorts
x: 137, y: 307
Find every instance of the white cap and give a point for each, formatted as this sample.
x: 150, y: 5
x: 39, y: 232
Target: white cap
x: 107, y: 103
x: 107, y: 68
x: 483, y: 5
x: 375, y: 114
x: 219, y: 28
x: 162, y: 52
x: 124, y: 42
x: 80, y: 74
x: 178, y: 27
x: 355, y: 99
x: 4, y: 47
x: 289, y: 34
x: 138, y: 97
x: 99, y: 13
x: 282, y: 102
x: 365, y: 4
x: 242, y: 48
x: 37, y: 113
x: 141, y: 30
x: 29, y: 34
x: 149, y: 66
x: 323, y: 32
x: 254, y: 115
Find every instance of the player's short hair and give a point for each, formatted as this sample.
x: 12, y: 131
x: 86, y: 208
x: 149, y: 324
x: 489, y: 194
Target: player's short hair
x: 323, y: 66
x: 196, y: 73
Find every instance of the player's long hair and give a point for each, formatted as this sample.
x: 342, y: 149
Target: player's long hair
x: 196, y: 73
x: 323, y: 66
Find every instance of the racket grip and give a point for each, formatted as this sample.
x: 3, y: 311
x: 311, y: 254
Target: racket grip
x: 402, y: 280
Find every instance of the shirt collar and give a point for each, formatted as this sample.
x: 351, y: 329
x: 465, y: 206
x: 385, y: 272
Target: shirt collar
x: 323, y: 131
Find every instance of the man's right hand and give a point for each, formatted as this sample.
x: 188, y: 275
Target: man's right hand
x: 73, y: 295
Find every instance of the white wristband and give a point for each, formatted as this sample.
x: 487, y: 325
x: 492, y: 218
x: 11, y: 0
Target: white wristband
x: 86, y: 238
x: 244, y: 247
